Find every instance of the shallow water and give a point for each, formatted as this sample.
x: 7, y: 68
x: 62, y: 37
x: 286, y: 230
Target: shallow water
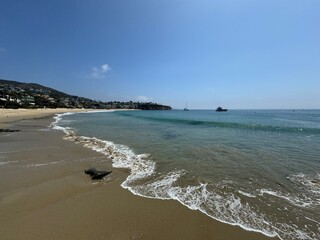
x: 259, y: 169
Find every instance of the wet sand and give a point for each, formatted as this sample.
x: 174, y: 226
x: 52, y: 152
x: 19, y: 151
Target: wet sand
x: 44, y: 194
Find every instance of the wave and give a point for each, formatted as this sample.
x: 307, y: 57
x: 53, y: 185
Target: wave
x: 41, y: 164
x: 121, y: 155
x: 310, y: 184
x: 7, y: 162
x: 226, y: 207
x: 243, y: 126
x: 299, y: 201
x: 58, y: 118
x: 246, y: 194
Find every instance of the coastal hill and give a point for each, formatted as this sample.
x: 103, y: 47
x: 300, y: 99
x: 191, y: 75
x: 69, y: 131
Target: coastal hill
x: 15, y: 94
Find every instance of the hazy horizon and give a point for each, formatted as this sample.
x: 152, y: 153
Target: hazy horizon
x: 235, y: 54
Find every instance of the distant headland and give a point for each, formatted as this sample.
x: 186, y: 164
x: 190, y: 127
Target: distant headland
x: 15, y: 94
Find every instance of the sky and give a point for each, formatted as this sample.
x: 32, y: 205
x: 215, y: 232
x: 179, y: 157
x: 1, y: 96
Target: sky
x: 239, y: 54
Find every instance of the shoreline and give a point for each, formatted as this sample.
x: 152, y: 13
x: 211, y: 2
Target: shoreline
x: 8, y: 116
x: 74, y: 206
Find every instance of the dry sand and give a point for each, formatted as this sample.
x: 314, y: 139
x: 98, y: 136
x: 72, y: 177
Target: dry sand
x: 44, y: 194
x: 12, y: 115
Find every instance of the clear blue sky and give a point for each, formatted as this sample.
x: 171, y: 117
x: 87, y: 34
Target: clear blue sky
x: 237, y: 54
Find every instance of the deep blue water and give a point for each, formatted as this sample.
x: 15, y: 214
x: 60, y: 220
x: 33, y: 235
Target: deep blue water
x: 259, y: 169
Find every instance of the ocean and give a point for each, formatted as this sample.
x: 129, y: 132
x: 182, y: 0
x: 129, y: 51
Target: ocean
x: 258, y: 169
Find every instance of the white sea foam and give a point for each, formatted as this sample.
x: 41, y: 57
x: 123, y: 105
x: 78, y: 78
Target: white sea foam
x: 41, y: 164
x: 7, y: 162
x: 121, y: 155
x: 44, y: 130
x: 309, y: 182
x: 58, y: 118
x: 227, y: 209
x: 299, y: 201
x: 159, y: 188
x: 309, y: 187
x: 313, y: 220
x: 246, y: 194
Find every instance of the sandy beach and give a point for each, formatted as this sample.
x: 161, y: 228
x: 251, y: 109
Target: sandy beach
x: 44, y: 193
x: 12, y: 115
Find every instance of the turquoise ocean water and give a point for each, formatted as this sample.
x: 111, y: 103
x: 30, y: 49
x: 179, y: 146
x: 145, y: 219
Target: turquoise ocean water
x: 259, y: 169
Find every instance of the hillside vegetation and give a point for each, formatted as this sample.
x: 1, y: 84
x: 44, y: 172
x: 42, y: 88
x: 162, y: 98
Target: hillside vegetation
x: 15, y: 94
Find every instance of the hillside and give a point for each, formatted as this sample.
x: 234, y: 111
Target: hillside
x: 15, y: 94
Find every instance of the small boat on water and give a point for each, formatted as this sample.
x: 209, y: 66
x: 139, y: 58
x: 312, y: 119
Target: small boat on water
x: 220, y: 109
x: 186, y: 108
